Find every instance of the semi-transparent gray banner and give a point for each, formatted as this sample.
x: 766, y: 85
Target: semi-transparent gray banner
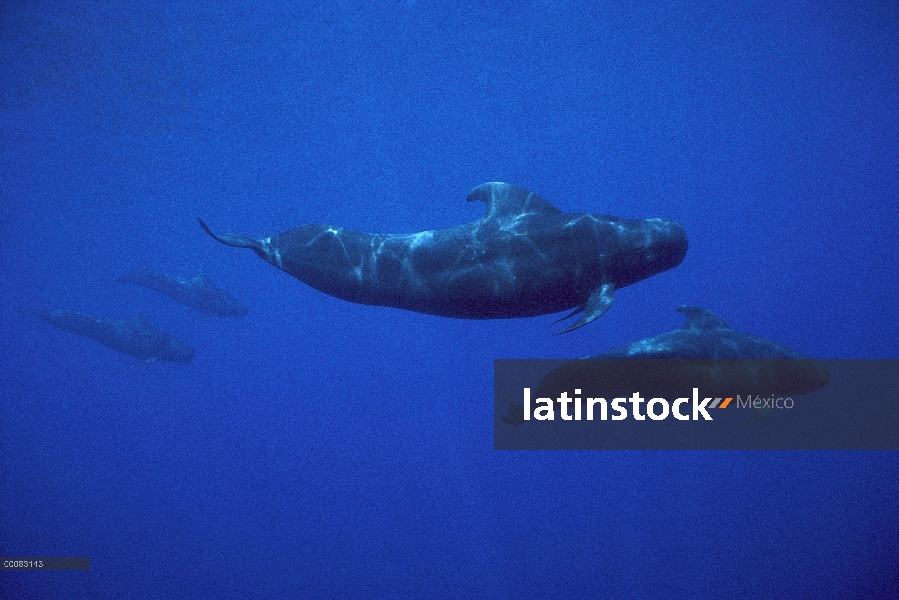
x: 667, y: 404
x: 45, y: 563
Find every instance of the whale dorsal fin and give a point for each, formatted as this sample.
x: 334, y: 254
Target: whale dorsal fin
x: 504, y: 199
x: 700, y: 318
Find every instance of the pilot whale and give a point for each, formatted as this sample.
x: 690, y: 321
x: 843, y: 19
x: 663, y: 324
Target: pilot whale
x: 705, y: 352
x: 704, y: 335
x: 137, y: 337
x: 523, y: 258
x: 196, y: 292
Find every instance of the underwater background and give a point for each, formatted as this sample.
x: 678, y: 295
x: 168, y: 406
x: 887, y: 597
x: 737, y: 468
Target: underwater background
x: 317, y: 448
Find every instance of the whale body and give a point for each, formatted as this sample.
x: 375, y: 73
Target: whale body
x: 197, y: 292
x: 704, y: 335
x: 705, y: 352
x: 137, y: 337
x: 523, y: 258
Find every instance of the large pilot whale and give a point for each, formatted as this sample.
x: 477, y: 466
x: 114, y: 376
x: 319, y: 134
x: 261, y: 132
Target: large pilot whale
x: 197, y: 292
x: 137, y: 337
x: 523, y: 258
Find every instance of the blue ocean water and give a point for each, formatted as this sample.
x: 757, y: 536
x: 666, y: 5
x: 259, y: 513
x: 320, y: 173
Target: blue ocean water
x: 317, y: 448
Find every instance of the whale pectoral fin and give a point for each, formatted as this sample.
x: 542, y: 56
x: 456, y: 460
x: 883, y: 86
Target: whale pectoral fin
x: 576, y: 311
x: 515, y: 415
x: 597, y: 304
x: 143, y: 362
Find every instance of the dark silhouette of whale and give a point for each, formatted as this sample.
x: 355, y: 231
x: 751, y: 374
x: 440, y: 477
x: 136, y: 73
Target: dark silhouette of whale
x: 137, y: 337
x: 523, y: 258
x: 709, y: 355
x: 704, y: 336
x: 197, y: 292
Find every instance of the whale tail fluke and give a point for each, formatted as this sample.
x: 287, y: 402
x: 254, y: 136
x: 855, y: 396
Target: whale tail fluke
x: 238, y: 241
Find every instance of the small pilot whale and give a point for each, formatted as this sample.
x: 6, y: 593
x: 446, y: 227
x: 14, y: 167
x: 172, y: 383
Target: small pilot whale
x: 197, y: 292
x: 137, y: 337
x: 523, y: 258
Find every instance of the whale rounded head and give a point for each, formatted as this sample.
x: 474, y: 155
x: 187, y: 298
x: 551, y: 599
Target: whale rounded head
x: 178, y: 351
x: 645, y: 247
x: 668, y: 246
